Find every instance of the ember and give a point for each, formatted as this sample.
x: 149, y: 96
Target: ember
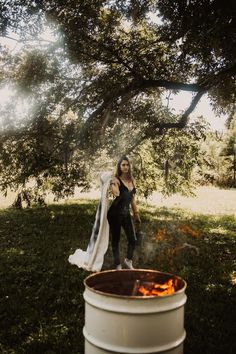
x: 137, y: 283
x: 155, y: 289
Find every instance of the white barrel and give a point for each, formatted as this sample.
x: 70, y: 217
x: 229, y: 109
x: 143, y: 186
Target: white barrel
x: 117, y: 323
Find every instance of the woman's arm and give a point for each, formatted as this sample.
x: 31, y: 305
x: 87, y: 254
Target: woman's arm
x: 135, y: 210
x: 115, y: 187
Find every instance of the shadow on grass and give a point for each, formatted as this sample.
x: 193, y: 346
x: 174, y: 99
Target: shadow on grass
x: 41, y: 294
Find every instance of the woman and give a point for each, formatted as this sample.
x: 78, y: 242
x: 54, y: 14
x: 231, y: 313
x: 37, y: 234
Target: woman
x: 123, y: 189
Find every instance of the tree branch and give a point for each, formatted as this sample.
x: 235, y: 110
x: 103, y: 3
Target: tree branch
x: 184, y: 118
x: 28, y: 40
x: 181, y: 124
x: 142, y: 139
x: 170, y: 85
x: 210, y: 82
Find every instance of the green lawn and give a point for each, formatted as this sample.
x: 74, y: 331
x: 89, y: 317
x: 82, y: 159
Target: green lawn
x: 41, y: 294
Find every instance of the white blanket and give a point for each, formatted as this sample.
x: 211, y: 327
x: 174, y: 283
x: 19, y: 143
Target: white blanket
x: 92, y: 258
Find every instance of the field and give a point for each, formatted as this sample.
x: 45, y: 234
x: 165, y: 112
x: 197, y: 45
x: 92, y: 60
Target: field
x: 208, y: 200
x: 41, y: 294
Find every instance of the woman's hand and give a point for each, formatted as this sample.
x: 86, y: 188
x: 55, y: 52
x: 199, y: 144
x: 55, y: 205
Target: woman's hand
x: 137, y: 219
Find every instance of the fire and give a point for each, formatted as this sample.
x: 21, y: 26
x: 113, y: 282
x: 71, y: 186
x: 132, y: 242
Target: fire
x: 155, y: 289
x: 187, y: 230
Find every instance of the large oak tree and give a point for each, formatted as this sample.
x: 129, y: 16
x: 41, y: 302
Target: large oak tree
x: 111, y: 63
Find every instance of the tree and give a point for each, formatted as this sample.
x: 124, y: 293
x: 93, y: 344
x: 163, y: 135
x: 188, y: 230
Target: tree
x: 111, y: 65
x: 229, y: 148
x: 167, y: 163
x: 41, y: 160
x: 212, y: 169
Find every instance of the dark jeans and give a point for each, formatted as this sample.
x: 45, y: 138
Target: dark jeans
x: 115, y: 223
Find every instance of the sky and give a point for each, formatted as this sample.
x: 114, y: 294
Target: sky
x: 182, y: 101
x: 178, y: 102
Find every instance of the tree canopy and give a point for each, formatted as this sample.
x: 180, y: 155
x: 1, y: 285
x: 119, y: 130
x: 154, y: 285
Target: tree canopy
x: 111, y: 63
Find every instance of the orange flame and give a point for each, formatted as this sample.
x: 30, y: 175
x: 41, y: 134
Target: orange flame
x: 155, y: 289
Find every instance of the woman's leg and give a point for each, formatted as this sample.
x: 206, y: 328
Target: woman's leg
x: 130, y: 234
x: 115, y: 228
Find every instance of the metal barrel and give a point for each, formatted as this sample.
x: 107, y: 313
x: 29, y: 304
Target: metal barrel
x: 118, y: 323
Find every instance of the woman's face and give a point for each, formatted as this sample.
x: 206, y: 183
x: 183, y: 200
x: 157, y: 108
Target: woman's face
x: 124, y: 166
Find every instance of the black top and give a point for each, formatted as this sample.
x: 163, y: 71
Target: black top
x: 122, y: 203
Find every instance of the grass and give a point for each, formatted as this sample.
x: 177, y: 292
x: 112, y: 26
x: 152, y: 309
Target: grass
x: 41, y: 294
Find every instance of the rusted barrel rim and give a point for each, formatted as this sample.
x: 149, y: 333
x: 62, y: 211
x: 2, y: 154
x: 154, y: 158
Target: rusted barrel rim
x: 134, y: 296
